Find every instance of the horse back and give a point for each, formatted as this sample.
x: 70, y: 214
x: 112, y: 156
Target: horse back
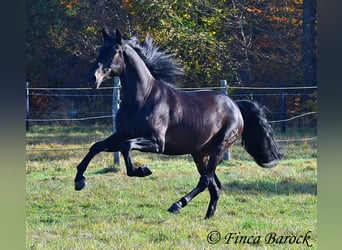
x: 196, y: 118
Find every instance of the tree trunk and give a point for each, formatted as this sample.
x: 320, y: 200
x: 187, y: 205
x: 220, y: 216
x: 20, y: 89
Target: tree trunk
x: 309, y: 42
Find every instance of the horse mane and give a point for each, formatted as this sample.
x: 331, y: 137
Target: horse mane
x: 163, y: 66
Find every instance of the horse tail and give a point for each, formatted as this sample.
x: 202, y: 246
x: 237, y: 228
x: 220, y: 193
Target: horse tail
x: 257, y: 136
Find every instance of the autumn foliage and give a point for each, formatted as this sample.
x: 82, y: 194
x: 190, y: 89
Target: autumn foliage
x: 249, y: 43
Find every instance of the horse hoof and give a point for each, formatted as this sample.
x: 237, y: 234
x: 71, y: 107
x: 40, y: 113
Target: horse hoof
x: 209, y: 216
x: 79, y: 185
x: 144, y: 171
x: 175, y: 208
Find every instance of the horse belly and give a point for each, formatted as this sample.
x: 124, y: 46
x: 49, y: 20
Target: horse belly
x: 178, y: 148
x: 181, y: 141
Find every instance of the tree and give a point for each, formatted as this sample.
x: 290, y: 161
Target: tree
x: 249, y: 42
x: 243, y: 41
x: 193, y: 31
x: 309, y: 41
x: 269, y: 35
x: 62, y: 36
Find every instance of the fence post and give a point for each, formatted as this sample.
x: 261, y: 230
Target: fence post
x: 283, y: 110
x: 115, y: 107
x: 27, y: 106
x: 224, y: 89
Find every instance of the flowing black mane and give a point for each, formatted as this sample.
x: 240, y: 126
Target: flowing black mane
x: 162, y: 66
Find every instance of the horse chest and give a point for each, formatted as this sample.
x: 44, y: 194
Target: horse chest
x: 134, y: 123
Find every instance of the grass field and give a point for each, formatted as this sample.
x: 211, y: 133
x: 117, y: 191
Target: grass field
x: 118, y: 212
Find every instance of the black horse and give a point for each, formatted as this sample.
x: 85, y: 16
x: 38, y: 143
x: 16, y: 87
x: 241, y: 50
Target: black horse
x: 155, y: 117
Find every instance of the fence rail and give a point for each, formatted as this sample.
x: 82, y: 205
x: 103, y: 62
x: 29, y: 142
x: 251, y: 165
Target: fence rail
x: 223, y: 88
x: 190, y: 88
x: 32, y: 91
x: 112, y: 116
x: 86, y: 148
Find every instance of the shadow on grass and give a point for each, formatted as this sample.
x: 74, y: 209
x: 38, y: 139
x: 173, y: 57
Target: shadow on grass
x: 112, y: 169
x: 283, y: 187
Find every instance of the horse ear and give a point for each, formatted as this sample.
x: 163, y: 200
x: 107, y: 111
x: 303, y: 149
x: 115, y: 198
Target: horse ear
x: 118, y: 36
x: 105, y: 34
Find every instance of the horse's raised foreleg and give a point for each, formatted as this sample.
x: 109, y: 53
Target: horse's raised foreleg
x: 111, y: 144
x: 144, y: 145
x: 133, y: 171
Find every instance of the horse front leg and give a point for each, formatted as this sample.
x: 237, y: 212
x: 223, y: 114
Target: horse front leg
x: 144, y: 145
x: 111, y: 144
x: 133, y: 171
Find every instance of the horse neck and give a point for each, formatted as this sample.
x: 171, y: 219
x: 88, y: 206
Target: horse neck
x: 136, y: 78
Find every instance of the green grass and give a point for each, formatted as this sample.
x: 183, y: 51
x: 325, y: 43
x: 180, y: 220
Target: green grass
x: 118, y: 212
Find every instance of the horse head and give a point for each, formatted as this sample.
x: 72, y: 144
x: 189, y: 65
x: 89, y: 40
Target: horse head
x: 110, y: 61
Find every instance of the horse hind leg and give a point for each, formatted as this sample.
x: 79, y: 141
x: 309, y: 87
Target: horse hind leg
x: 177, y: 206
x: 200, y: 161
x: 214, y: 188
x: 220, y: 145
x: 213, y: 184
x: 206, y: 166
